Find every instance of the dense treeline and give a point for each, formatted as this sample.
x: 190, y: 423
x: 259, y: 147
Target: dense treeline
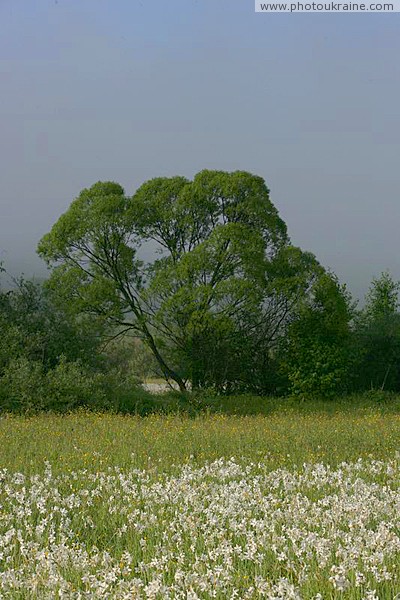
x: 226, y: 302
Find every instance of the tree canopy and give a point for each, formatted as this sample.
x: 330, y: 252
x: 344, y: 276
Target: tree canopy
x: 202, y: 271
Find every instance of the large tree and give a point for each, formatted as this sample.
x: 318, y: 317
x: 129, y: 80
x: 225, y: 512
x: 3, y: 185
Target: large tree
x: 221, y: 266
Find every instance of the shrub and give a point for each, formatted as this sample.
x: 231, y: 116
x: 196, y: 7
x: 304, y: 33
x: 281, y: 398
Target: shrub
x: 320, y: 370
x: 26, y: 387
x: 70, y: 385
x: 23, y: 385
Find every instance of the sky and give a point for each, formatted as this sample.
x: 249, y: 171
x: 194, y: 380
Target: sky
x: 127, y: 90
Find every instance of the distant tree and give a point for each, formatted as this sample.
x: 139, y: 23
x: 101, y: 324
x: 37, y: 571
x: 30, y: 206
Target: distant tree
x: 216, y: 282
x: 378, y: 333
x: 382, y: 300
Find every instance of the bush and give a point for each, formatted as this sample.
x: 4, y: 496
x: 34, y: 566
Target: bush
x: 320, y: 370
x: 70, y: 385
x: 23, y: 385
x: 26, y: 387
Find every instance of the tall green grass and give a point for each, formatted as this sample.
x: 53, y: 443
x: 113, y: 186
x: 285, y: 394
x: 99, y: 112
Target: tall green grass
x: 286, y: 431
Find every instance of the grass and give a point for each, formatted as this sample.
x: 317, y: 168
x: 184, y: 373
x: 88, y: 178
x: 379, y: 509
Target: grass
x: 288, y: 432
x: 119, y: 506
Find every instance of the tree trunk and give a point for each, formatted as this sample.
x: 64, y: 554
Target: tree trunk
x: 168, y: 372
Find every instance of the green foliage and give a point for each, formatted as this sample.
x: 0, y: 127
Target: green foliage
x: 70, y: 385
x: 225, y: 303
x: 318, y: 353
x: 223, y: 285
x: 131, y: 358
x: 34, y: 326
x: 377, y: 332
x: 52, y: 359
x: 26, y: 387
x: 22, y: 386
x: 382, y: 299
x: 320, y: 369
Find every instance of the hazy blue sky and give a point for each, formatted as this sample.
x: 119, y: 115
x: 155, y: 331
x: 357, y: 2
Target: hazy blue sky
x: 127, y: 90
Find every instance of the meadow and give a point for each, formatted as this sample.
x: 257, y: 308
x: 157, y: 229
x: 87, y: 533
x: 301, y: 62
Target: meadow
x: 236, y: 498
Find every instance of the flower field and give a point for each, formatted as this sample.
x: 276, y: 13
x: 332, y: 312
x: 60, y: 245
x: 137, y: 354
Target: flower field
x: 288, y: 505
